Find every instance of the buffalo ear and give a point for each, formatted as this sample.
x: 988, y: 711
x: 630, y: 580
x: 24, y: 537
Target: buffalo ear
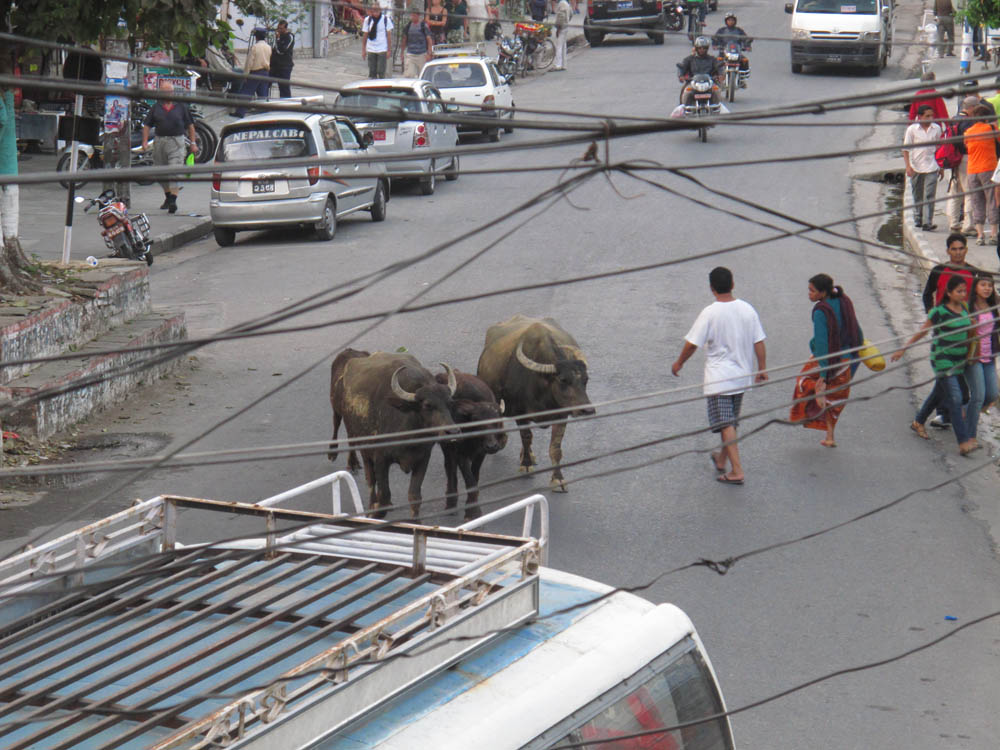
x: 465, y: 409
x: 402, y: 404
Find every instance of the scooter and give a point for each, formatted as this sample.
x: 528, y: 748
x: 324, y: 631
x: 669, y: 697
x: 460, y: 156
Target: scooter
x: 126, y: 236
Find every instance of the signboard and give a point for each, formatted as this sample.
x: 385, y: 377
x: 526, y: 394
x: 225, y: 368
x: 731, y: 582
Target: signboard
x: 115, y: 107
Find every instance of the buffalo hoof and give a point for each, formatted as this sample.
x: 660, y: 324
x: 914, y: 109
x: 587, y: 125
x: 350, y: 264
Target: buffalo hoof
x: 332, y: 456
x: 472, y: 512
x: 523, y: 469
x: 557, y: 485
x: 450, y: 503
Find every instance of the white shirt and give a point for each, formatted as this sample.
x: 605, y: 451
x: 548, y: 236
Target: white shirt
x: 380, y: 43
x: 477, y: 11
x: 727, y: 331
x: 922, y: 157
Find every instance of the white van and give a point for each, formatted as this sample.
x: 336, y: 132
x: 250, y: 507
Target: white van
x: 841, y: 32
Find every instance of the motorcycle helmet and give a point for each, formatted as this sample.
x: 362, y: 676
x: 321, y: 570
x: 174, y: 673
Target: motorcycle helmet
x: 730, y: 15
x: 702, y: 42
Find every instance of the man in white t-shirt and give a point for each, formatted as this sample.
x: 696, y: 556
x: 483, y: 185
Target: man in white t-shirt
x: 376, y: 41
x: 730, y: 331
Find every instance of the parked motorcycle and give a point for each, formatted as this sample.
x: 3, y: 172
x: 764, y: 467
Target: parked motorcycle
x: 126, y: 236
x: 539, y: 49
x: 700, y: 98
x: 92, y: 157
x: 673, y: 14
x: 510, y: 57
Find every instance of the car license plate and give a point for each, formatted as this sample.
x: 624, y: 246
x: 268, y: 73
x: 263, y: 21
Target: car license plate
x: 624, y: 4
x: 116, y: 230
x: 263, y: 186
x: 378, y: 135
x: 702, y: 96
x: 833, y: 58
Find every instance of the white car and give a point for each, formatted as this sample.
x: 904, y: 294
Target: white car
x: 407, y: 137
x: 473, y: 83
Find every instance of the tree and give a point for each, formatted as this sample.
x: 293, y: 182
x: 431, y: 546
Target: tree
x: 187, y: 26
x: 982, y: 13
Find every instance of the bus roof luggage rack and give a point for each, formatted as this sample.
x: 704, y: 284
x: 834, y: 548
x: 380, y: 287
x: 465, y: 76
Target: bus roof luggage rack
x: 266, y: 643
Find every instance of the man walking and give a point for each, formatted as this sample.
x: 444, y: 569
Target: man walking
x: 281, y: 58
x: 418, y: 46
x: 170, y: 120
x: 376, y: 41
x: 257, y: 66
x: 919, y: 145
x: 945, y: 13
x: 959, y: 200
x: 478, y: 15
x: 563, y: 12
x: 732, y: 335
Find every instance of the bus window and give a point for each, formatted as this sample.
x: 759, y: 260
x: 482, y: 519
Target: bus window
x: 675, y: 688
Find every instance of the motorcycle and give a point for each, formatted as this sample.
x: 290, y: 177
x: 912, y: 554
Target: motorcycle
x: 673, y: 15
x: 126, y: 236
x: 510, y: 58
x: 735, y: 77
x: 700, y: 98
x: 539, y: 49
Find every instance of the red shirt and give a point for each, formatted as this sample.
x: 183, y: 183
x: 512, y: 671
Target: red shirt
x: 940, y: 110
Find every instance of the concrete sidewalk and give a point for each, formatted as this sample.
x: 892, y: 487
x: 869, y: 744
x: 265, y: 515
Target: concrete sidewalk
x: 43, y: 207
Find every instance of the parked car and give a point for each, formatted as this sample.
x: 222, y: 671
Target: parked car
x: 605, y: 16
x: 472, y: 82
x: 410, y: 136
x: 262, y: 196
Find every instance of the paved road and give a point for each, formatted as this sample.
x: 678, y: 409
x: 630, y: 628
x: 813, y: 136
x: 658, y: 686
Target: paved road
x: 862, y: 593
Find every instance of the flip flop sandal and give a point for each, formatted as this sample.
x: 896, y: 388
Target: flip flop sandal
x: 726, y: 480
x: 714, y: 456
x: 920, y: 430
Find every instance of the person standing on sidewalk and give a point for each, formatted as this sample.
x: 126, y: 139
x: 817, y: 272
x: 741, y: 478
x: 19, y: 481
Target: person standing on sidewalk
x: 921, y: 167
x: 732, y: 335
x: 981, y: 144
x: 376, y: 41
x: 281, y: 58
x: 563, y: 12
x: 257, y: 66
x: 960, y: 201
x: 476, y: 22
x: 170, y: 120
x: 945, y: 13
x: 417, y: 50
x: 929, y: 96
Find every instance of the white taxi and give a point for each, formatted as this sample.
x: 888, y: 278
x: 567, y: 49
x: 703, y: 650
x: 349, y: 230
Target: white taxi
x: 469, y: 80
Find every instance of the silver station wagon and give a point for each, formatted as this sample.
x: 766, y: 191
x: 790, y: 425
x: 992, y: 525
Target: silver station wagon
x: 410, y: 136
x: 263, y: 196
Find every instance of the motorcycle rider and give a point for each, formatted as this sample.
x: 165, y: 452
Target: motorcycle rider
x: 699, y: 62
x: 729, y: 33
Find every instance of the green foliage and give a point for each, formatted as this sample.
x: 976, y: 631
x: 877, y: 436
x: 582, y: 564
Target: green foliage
x: 184, y: 25
x: 982, y: 13
x: 292, y: 11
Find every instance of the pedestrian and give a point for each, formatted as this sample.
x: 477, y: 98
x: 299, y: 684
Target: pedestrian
x: 919, y: 144
x: 960, y: 200
x: 281, y: 58
x: 538, y: 10
x: 824, y: 385
x: 458, y: 12
x: 437, y: 19
x: 417, y: 49
x: 949, y: 356
x: 171, y: 120
x: 730, y: 331
x: 945, y: 13
x: 257, y: 67
x: 981, y: 144
x: 476, y: 22
x: 563, y: 12
x: 994, y: 101
x: 934, y: 291
x: 376, y: 41
x: 981, y: 372
x: 929, y: 96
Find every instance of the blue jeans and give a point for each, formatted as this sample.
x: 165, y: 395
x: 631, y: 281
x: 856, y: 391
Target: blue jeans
x: 254, y: 85
x: 982, y: 380
x: 948, y: 390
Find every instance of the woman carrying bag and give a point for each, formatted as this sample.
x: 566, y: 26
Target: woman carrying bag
x: 824, y: 385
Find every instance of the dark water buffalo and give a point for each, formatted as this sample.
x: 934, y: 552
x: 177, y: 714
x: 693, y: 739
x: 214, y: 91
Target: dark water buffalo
x: 382, y: 393
x: 473, y: 401
x: 534, y: 365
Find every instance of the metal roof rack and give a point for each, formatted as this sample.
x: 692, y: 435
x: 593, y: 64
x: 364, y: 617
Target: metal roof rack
x: 264, y: 643
x: 459, y: 49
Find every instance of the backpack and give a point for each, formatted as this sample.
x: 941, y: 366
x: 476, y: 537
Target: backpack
x: 948, y: 155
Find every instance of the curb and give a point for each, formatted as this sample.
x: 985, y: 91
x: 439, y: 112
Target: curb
x: 189, y: 233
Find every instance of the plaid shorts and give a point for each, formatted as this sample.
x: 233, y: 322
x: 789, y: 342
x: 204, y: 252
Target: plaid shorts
x: 724, y: 410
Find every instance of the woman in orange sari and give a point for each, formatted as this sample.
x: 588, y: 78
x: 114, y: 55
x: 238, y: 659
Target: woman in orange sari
x: 824, y: 385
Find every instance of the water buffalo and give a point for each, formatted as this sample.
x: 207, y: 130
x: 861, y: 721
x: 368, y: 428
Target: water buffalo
x: 473, y: 401
x: 534, y: 365
x: 382, y: 393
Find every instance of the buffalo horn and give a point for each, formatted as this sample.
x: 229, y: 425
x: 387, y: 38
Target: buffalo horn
x: 452, y: 380
x: 503, y: 406
x: 398, y: 389
x: 532, y: 364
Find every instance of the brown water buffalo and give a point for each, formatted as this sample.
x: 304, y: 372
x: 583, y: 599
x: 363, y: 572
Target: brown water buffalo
x: 382, y: 393
x: 473, y: 401
x: 534, y: 365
